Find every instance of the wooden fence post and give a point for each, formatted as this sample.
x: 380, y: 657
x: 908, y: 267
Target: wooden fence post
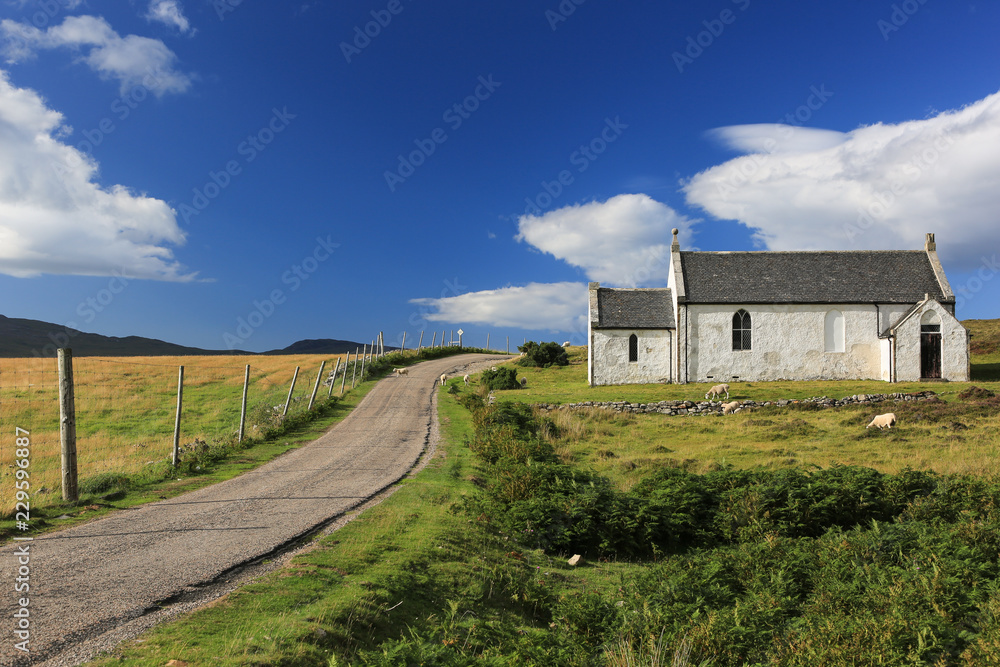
x: 177, y: 421
x: 343, y: 380
x: 319, y: 376
x: 67, y: 425
x: 420, y: 343
x: 291, y: 388
x: 433, y: 338
x: 243, y: 407
x: 508, y: 344
x: 402, y: 346
x: 362, y: 375
x: 354, y: 371
x: 333, y: 378
x: 487, y: 340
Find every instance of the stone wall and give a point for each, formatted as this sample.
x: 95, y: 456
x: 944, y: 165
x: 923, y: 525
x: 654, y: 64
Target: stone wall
x: 715, y: 407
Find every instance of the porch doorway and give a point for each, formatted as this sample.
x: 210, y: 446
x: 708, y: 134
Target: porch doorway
x: 930, y: 351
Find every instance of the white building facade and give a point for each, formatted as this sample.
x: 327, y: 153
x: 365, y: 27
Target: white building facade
x: 758, y: 316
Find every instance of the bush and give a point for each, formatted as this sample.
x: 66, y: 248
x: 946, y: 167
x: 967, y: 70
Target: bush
x: 501, y: 378
x: 544, y: 355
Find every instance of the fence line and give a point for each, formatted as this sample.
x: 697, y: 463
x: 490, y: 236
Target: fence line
x: 130, y: 411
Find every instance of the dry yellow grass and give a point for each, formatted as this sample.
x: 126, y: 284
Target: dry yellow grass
x: 126, y: 409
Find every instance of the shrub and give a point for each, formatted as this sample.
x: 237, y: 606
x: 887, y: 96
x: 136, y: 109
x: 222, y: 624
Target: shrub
x: 544, y: 355
x: 500, y: 379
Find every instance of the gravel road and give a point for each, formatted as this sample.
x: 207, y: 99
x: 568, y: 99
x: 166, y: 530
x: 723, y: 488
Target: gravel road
x: 91, y: 582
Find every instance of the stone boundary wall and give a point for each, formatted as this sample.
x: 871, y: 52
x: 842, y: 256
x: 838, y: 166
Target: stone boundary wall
x: 715, y: 407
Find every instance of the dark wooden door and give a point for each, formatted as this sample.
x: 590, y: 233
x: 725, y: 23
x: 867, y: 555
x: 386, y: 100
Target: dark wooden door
x: 930, y: 355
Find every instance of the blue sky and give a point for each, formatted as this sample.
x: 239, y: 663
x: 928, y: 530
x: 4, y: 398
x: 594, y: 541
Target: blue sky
x: 229, y: 174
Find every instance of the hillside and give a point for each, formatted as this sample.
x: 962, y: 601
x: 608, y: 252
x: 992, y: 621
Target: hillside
x: 31, y: 338
x: 320, y: 346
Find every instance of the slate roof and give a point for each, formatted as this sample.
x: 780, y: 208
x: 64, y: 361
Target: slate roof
x: 870, y: 276
x: 635, y: 309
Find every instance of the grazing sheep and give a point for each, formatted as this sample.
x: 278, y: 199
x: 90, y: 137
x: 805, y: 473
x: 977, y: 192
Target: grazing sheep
x: 466, y: 378
x: 886, y: 420
x: 494, y: 369
x: 400, y: 371
x: 524, y: 382
x: 566, y: 344
x: 443, y: 378
x: 730, y: 408
x: 718, y: 390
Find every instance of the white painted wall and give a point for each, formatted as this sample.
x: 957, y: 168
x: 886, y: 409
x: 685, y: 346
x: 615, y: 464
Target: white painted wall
x: 609, y: 356
x: 789, y: 343
x: 954, y: 345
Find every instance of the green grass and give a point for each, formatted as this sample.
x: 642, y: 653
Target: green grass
x: 418, y: 580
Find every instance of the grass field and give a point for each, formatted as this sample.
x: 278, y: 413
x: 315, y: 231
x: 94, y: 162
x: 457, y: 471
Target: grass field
x: 420, y: 580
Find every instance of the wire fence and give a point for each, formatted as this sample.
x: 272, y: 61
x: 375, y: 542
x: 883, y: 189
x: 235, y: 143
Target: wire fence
x: 126, y: 410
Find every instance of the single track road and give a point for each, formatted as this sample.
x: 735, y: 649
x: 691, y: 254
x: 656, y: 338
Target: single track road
x: 90, y: 579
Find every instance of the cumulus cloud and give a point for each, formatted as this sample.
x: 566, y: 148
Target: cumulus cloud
x: 54, y: 217
x: 536, y: 306
x: 623, y: 241
x: 881, y: 186
x: 131, y: 60
x: 169, y: 12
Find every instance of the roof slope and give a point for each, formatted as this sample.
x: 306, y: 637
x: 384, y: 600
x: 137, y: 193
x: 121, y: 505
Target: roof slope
x: 635, y: 309
x: 869, y: 276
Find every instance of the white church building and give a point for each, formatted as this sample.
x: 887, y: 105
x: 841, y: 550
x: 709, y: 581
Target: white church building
x: 762, y: 315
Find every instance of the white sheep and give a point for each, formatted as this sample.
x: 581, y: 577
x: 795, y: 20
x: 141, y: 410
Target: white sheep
x: 443, y: 378
x: 466, y: 378
x: 730, y: 408
x: 718, y: 390
x: 494, y: 369
x: 400, y: 371
x: 524, y: 382
x: 886, y: 421
x: 566, y: 344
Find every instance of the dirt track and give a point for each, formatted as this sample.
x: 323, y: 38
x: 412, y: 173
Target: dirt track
x: 91, y: 580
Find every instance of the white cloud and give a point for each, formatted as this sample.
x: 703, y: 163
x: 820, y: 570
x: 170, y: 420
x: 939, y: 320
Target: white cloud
x: 55, y: 219
x: 131, y: 60
x: 168, y: 12
x: 537, y: 306
x: 623, y: 241
x: 776, y: 138
x: 878, y: 187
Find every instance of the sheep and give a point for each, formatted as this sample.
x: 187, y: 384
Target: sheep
x: 524, y: 382
x: 718, y: 390
x: 566, y: 344
x: 400, y: 371
x: 493, y: 368
x: 886, y: 420
x: 466, y: 378
x: 730, y: 408
x: 443, y: 378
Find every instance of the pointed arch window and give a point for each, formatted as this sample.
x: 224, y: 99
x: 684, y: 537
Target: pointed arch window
x: 633, y: 348
x: 741, y: 330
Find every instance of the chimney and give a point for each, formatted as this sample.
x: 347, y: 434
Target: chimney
x: 929, y: 242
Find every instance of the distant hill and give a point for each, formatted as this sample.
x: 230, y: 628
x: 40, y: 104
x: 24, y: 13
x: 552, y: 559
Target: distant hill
x: 31, y: 338
x: 319, y: 346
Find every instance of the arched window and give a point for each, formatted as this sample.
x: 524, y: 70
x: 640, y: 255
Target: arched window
x: 633, y: 348
x: 833, y: 329
x: 741, y: 330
